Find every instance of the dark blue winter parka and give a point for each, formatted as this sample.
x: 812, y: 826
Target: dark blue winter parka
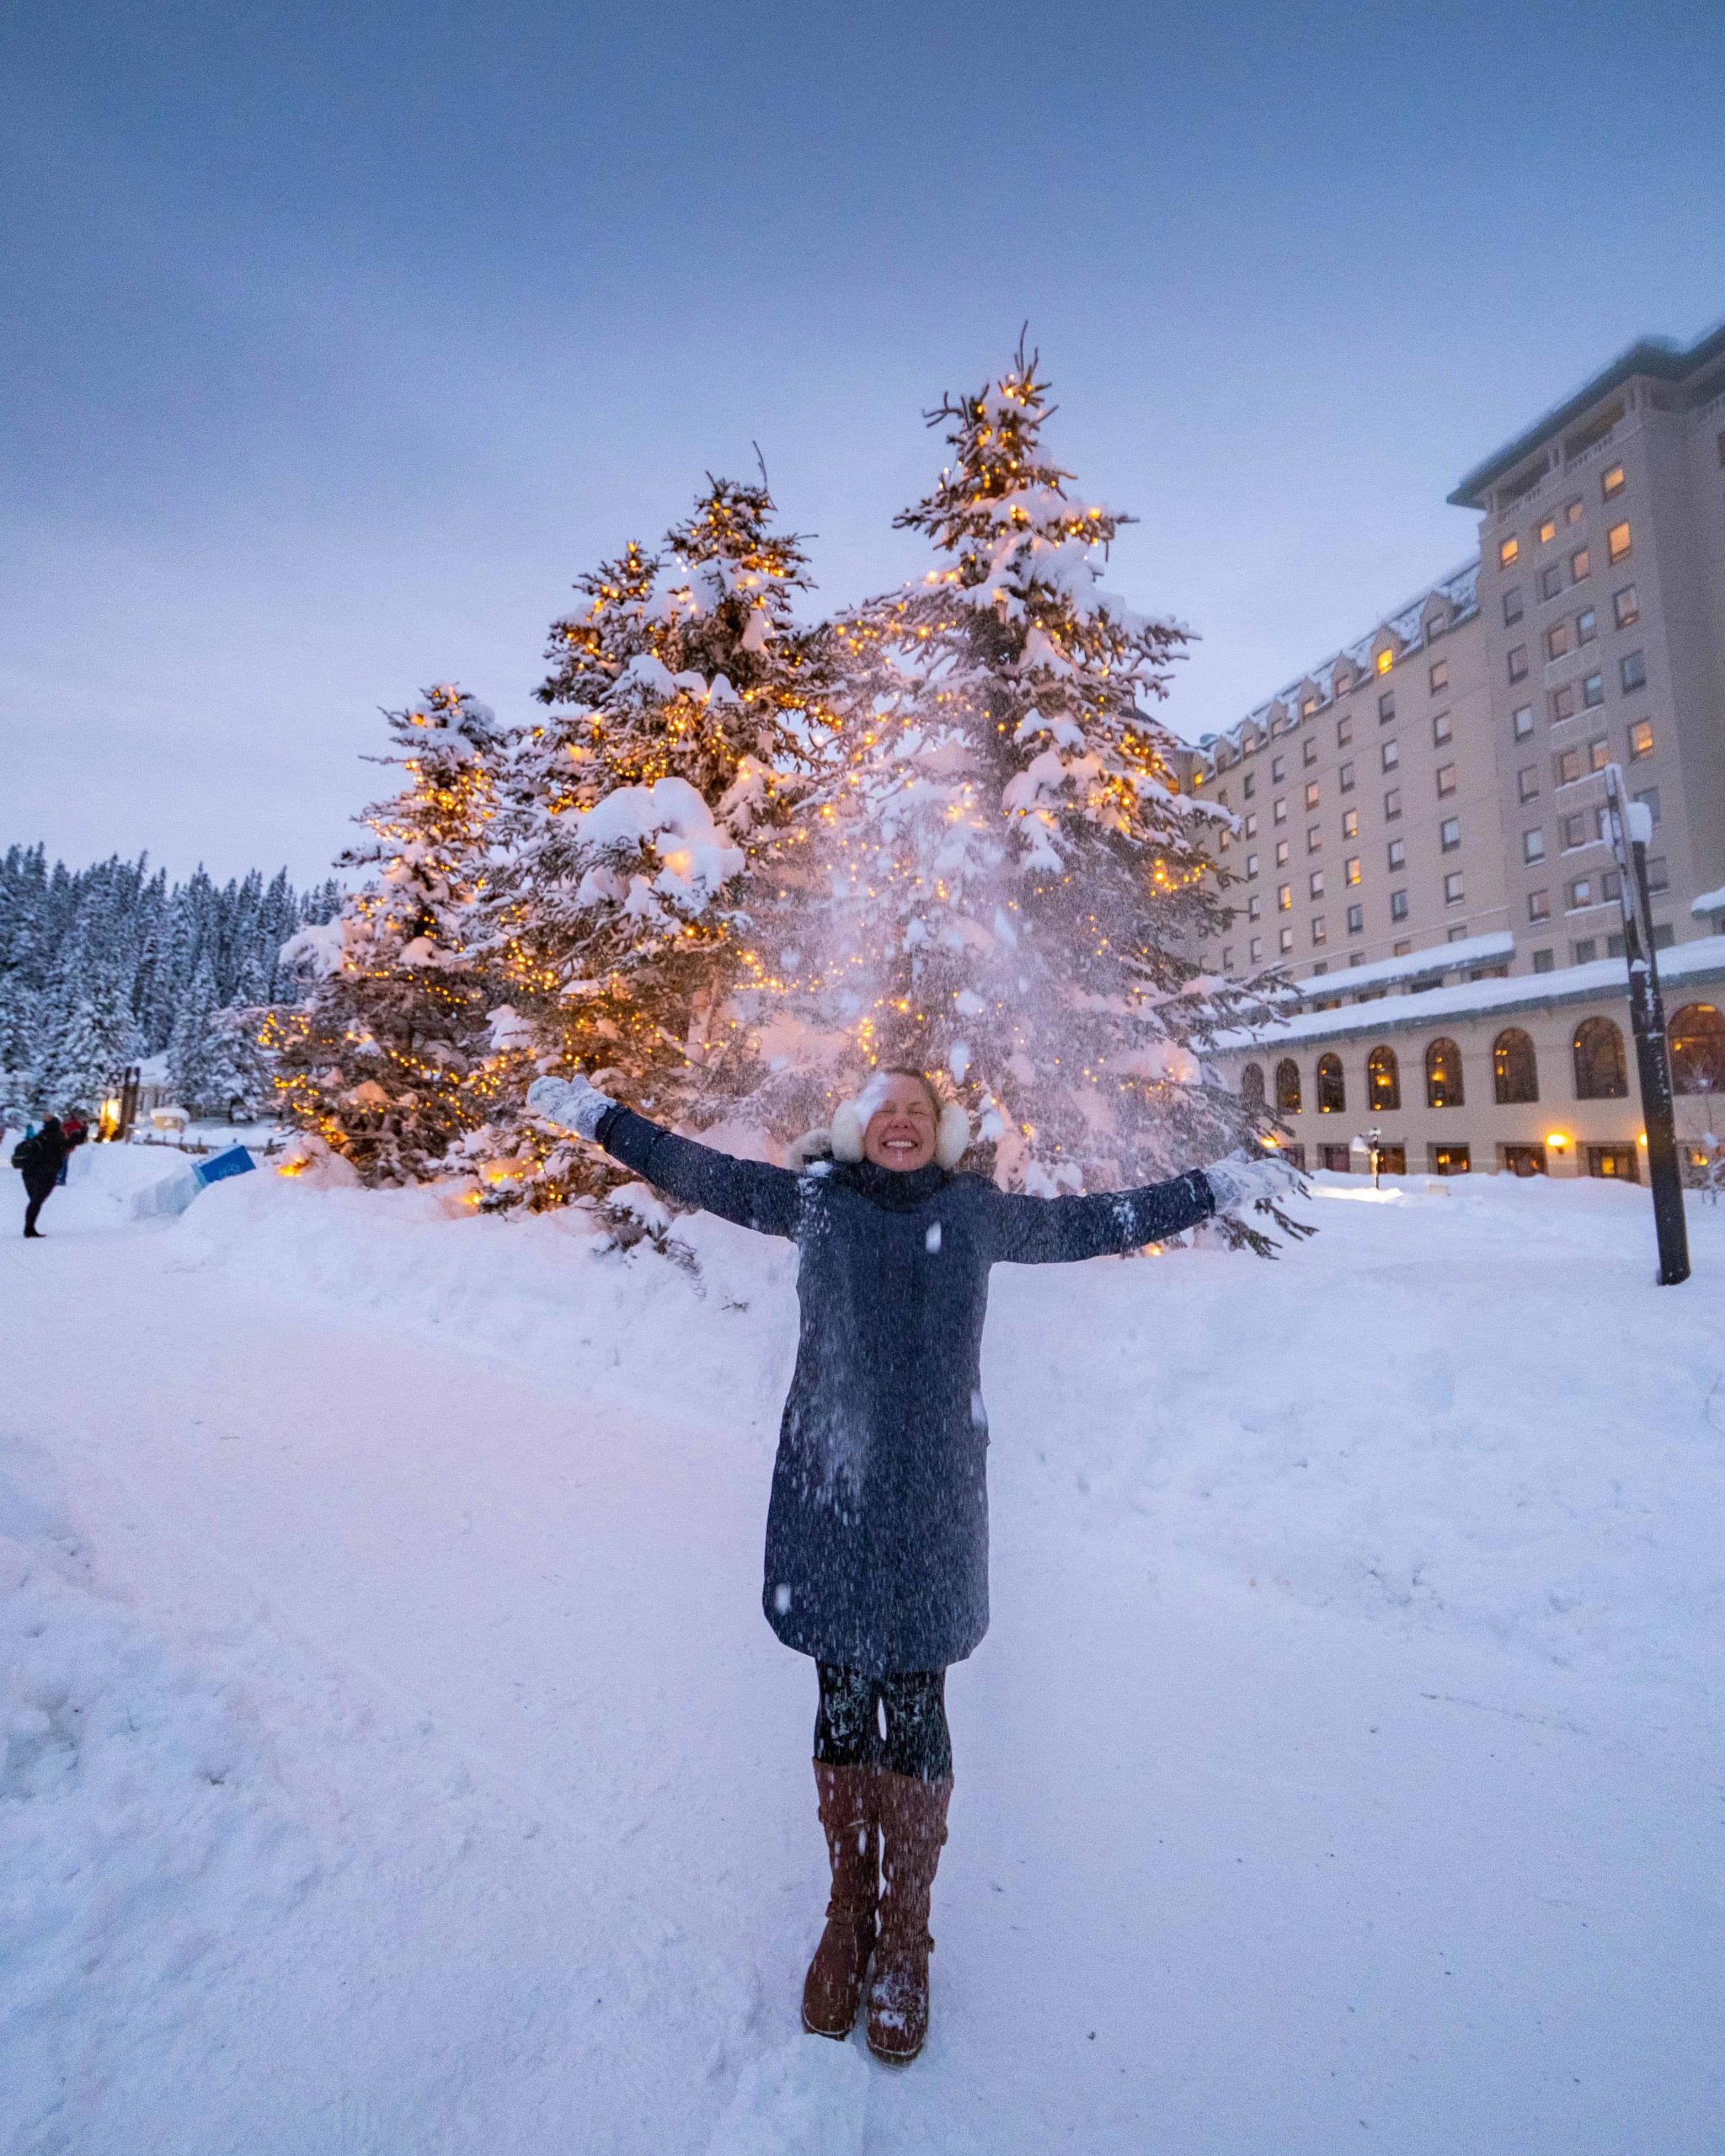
x: 877, y: 1534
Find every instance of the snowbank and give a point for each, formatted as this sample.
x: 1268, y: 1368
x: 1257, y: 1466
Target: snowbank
x: 1462, y: 1407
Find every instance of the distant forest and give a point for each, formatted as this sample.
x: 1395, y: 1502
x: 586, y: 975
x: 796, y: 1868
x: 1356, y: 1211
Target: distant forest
x: 103, y: 966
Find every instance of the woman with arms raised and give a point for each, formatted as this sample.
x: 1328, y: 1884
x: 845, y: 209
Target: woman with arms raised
x: 876, y: 1534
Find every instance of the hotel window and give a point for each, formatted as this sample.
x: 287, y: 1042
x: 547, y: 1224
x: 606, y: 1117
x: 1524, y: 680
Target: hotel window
x: 1308, y: 755
x: 1521, y: 721
x: 1398, y: 906
x: 1284, y: 898
x: 1548, y: 529
x: 1641, y: 741
x: 1439, y: 676
x: 1393, y: 804
x: 1350, y: 869
x: 1452, y: 888
x: 1397, y: 853
x: 1580, y: 894
x: 1386, y: 707
x: 1626, y: 607
x: 1385, y: 661
x: 1256, y: 948
x: 1611, y: 885
x: 1312, y: 794
x: 1446, y: 781
x: 1227, y: 957
x: 1585, y: 951
x: 1563, y: 703
x: 1592, y: 691
x: 1559, y: 640
x: 1254, y: 908
x: 1552, y: 580
x: 1449, y: 834
x: 1278, y: 769
x: 1281, y: 811
x: 1539, y: 905
x: 1533, y: 846
x: 1587, y: 626
x: 1315, y: 838
x: 1281, y: 853
x: 1250, y: 827
x: 1658, y: 876
x: 1527, y: 782
x: 1573, y: 831
x: 1611, y: 482
x: 1390, y: 755
x: 1565, y: 766
x: 1516, y: 662
x: 1572, y: 511
x: 1443, y: 1076
x: 1507, y: 551
x: 1307, y: 706
x: 1632, y: 670
x: 1315, y: 882
x: 1356, y: 920
x: 1649, y: 799
x: 1580, y: 565
x: 1442, y: 729
x: 1618, y: 543
x: 1320, y: 934
x: 1597, y: 754
x: 1248, y: 785
x: 1544, y: 961
x: 1285, y: 941
x: 1512, y: 605
x: 1345, y: 778
x: 1344, y: 732
x: 1350, y: 823
x: 1251, y: 864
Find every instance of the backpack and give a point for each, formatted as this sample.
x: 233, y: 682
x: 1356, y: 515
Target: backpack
x: 27, y: 1152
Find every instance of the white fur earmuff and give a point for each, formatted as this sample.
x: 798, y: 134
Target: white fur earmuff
x: 951, y: 1138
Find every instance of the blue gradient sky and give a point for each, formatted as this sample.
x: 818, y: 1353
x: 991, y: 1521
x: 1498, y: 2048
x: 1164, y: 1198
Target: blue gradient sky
x: 339, y: 338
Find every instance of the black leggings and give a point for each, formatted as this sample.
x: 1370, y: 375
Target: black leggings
x: 898, y: 1721
x: 37, y: 1190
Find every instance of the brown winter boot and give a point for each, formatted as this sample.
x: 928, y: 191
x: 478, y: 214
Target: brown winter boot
x: 913, y: 1831
x: 833, y: 1989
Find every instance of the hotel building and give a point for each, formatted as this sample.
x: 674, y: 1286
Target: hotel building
x: 1422, y: 815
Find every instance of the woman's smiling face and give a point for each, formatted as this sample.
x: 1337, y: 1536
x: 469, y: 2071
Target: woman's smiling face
x: 902, y: 1132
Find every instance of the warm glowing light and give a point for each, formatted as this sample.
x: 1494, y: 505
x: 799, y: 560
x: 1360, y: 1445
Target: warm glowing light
x: 1557, y: 1139
x: 1387, y: 659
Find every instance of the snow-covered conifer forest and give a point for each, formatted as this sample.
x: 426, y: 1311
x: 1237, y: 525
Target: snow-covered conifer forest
x: 741, y: 851
x: 104, y: 966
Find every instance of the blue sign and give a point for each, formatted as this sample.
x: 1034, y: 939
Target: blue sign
x: 235, y: 1161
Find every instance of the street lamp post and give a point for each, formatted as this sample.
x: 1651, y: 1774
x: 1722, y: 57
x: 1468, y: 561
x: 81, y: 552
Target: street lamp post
x: 1631, y: 826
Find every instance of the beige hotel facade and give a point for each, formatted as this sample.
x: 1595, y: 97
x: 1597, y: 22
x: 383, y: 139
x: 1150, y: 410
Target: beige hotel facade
x: 1420, y: 837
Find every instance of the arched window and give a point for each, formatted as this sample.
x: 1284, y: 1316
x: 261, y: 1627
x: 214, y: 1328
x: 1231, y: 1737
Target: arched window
x: 1443, y: 1076
x: 1697, y: 1034
x: 1287, y: 1086
x: 1383, y: 1080
x: 1251, y: 1085
x: 1515, y: 1069
x: 1600, y: 1071
x: 1331, y: 1087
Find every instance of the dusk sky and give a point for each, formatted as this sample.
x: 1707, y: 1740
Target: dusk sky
x: 339, y: 339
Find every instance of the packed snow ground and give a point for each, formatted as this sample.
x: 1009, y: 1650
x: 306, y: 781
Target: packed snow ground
x: 397, y: 1761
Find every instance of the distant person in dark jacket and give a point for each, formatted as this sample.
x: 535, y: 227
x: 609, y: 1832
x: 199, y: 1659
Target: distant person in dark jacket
x: 877, y: 1534
x: 40, y: 1159
x: 77, y: 1131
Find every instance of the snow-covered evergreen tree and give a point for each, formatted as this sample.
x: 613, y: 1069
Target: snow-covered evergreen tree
x: 391, y: 1059
x: 86, y: 1032
x: 1004, y: 875
x: 690, y: 710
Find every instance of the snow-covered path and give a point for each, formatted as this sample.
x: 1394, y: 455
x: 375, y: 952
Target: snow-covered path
x: 410, y: 1770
